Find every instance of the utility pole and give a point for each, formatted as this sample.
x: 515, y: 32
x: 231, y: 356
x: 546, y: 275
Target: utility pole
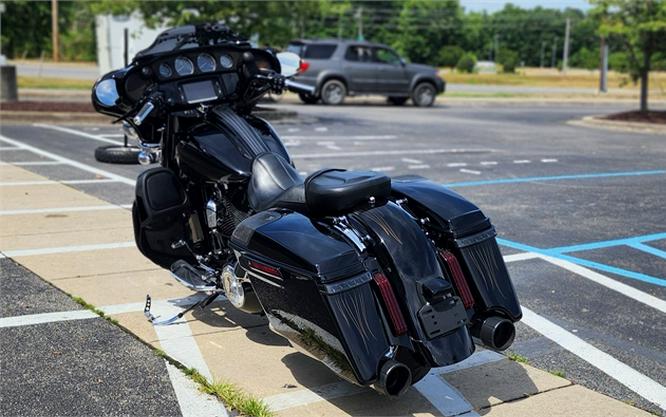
x: 565, y: 53
x: 359, y: 23
x: 603, y: 66
x: 553, y: 57
x: 543, y: 50
x: 54, y: 31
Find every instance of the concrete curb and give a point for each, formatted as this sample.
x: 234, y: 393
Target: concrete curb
x: 633, y: 127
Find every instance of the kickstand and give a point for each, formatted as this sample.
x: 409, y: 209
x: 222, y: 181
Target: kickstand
x: 203, y: 304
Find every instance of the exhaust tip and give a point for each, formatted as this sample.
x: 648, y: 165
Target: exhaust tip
x: 495, y: 333
x: 394, y: 378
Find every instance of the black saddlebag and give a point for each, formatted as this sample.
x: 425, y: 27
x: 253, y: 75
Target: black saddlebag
x: 315, y: 291
x: 159, y: 216
x: 463, y: 230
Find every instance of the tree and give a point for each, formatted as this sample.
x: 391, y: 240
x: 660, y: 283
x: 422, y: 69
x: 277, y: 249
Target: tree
x: 508, y: 59
x: 449, y: 55
x: 467, y: 63
x: 640, y: 26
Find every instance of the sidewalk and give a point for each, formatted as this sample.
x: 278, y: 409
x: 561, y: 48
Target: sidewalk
x: 63, y: 236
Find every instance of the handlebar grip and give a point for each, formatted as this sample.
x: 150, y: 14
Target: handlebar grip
x: 143, y: 113
x: 299, y: 87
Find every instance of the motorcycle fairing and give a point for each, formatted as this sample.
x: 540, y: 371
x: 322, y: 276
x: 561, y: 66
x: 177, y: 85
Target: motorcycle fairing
x: 469, y: 234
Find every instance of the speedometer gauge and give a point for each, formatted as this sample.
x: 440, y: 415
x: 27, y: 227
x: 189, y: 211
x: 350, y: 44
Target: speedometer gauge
x: 183, y: 66
x: 226, y: 61
x: 206, y: 63
x: 165, y: 71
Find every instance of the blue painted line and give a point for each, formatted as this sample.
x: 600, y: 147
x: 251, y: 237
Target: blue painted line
x: 554, y: 178
x: 649, y: 249
x: 609, y: 243
x: 584, y: 262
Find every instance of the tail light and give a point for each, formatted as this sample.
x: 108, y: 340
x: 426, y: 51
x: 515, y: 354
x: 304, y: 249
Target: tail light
x: 388, y: 297
x: 303, y: 66
x: 458, y: 278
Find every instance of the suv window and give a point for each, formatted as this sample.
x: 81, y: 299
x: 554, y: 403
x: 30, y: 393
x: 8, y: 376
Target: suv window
x: 358, y: 53
x: 319, y: 51
x: 296, y: 48
x: 386, y: 56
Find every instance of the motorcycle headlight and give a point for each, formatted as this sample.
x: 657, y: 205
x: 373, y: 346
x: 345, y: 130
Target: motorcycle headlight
x: 106, y: 92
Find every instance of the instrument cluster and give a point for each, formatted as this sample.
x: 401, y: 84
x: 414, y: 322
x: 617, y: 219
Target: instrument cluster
x: 195, y: 64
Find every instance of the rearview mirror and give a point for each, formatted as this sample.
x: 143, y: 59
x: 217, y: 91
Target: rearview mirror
x: 289, y: 63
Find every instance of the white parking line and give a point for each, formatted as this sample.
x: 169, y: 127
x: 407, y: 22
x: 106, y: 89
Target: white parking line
x: 63, y: 209
x: 99, y: 138
x: 521, y: 161
x: 321, y: 129
x: 31, y: 319
x: 32, y: 163
x: 420, y: 166
x: 470, y: 171
x: 612, y: 284
x: 411, y: 161
x: 391, y: 152
x: 456, y: 164
x: 65, y: 249
x: 548, y: 160
x: 51, y: 182
x: 486, y: 163
x: 192, y: 402
x: 520, y: 257
x: 624, y: 374
x: 293, y: 129
x: 383, y: 169
x: 71, y: 162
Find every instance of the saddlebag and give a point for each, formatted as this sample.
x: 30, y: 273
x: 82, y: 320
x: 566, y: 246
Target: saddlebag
x: 316, y: 291
x: 465, y: 239
x: 159, y: 216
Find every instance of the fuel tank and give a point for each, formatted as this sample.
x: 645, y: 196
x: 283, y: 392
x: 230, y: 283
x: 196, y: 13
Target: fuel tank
x: 223, y: 149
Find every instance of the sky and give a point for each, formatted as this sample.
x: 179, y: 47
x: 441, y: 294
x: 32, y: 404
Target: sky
x: 494, y: 5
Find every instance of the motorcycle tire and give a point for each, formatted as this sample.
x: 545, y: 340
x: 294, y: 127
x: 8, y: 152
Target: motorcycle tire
x: 118, y: 154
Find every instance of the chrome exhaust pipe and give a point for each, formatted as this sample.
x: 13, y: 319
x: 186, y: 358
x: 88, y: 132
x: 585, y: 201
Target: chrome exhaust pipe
x: 394, y: 378
x: 494, y: 333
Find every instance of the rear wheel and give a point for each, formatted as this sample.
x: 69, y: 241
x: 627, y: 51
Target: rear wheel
x: 398, y: 101
x: 308, y: 98
x: 424, y: 95
x: 333, y: 92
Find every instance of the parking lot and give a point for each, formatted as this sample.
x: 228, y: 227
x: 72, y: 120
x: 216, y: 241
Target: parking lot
x: 579, y: 211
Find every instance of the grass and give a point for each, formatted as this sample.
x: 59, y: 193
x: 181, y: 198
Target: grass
x: 559, y: 373
x: 53, y: 83
x: 517, y: 358
x: 231, y: 395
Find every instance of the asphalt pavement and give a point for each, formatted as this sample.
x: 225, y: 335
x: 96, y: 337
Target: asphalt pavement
x: 585, y: 207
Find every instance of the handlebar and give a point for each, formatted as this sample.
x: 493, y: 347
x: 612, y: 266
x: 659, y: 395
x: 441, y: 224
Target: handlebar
x: 299, y: 87
x: 145, y: 111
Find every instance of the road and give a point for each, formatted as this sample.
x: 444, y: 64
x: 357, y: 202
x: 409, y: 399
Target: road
x: 585, y: 206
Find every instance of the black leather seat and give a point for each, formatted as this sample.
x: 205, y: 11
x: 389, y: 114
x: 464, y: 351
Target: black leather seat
x: 329, y: 192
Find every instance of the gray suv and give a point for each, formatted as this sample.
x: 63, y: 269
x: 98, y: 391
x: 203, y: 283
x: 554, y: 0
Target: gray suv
x: 338, y: 68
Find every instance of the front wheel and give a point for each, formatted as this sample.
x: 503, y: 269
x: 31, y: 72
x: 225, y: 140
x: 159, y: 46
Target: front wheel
x: 333, y: 92
x: 308, y: 98
x: 424, y: 95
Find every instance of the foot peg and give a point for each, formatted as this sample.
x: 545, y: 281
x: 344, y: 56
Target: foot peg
x: 194, y: 278
x: 154, y: 320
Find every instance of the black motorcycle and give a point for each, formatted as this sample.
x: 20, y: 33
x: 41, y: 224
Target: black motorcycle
x: 379, y: 278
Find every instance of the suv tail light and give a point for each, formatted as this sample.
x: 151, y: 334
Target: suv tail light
x: 304, y: 65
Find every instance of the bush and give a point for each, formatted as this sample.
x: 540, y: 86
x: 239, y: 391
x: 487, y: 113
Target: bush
x: 508, y: 59
x: 449, y: 56
x: 466, y: 63
x: 618, y: 61
x: 585, y: 58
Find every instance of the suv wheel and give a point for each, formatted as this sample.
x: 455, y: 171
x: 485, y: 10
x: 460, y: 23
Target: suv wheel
x: 333, y: 92
x: 424, y: 95
x: 398, y: 101
x: 308, y: 98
